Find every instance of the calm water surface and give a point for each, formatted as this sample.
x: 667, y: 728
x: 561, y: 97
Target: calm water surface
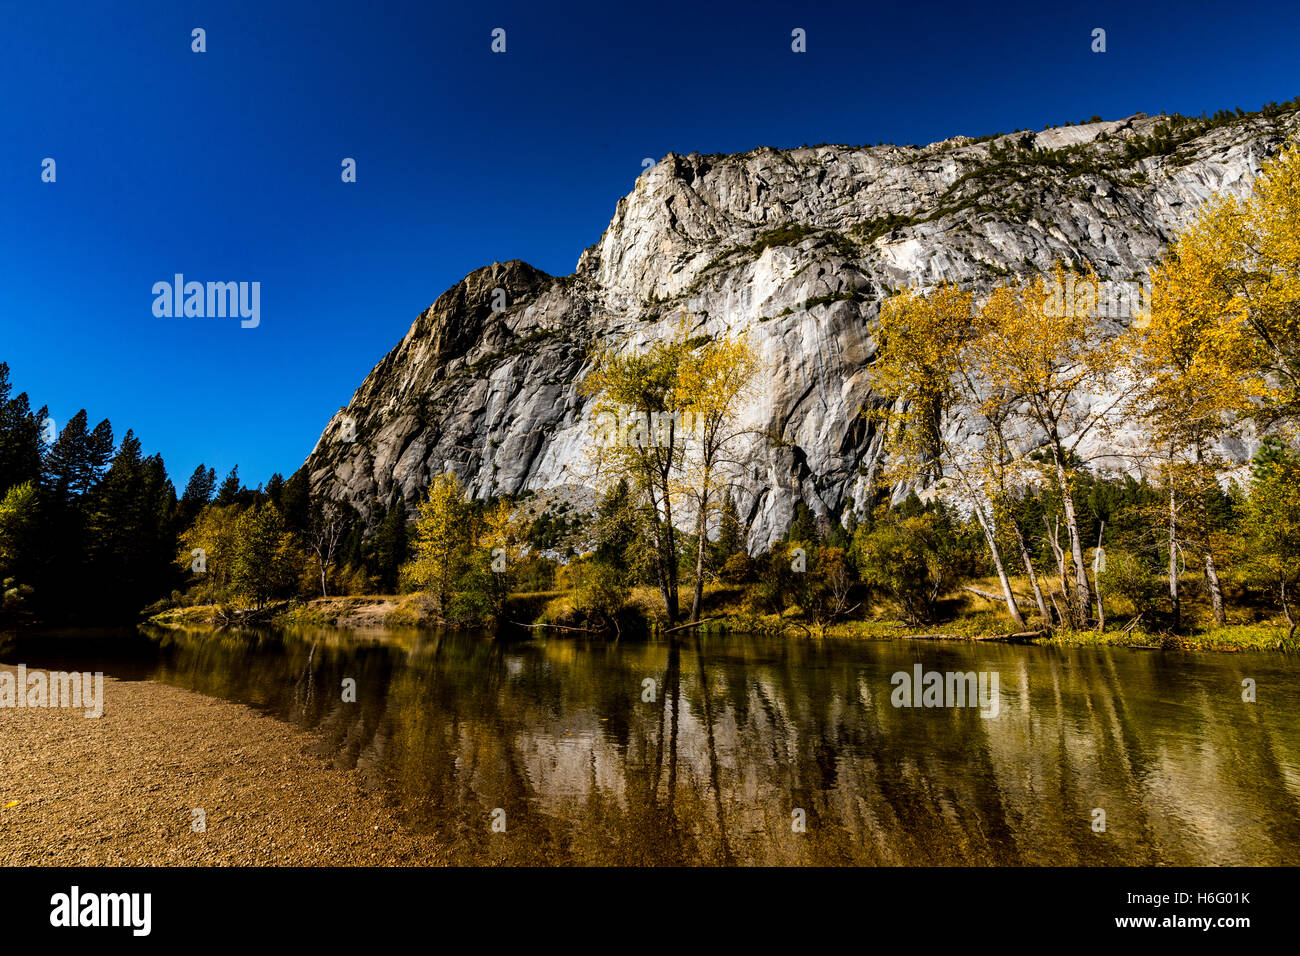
x: 741, y: 732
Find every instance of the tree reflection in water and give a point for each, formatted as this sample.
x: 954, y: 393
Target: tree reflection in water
x: 555, y: 733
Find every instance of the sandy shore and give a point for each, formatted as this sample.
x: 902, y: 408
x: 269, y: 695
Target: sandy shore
x: 121, y: 789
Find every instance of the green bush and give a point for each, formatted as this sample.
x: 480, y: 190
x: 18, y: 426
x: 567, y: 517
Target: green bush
x: 738, y: 568
x: 598, y: 593
x: 1133, y: 578
x: 912, y: 555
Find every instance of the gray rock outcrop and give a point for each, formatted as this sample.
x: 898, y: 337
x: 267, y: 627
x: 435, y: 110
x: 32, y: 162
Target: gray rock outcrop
x: 795, y: 247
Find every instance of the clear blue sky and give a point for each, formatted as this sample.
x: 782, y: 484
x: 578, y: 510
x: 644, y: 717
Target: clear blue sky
x: 226, y: 165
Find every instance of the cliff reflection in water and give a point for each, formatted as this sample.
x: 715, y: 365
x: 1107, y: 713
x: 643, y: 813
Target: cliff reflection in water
x: 741, y: 732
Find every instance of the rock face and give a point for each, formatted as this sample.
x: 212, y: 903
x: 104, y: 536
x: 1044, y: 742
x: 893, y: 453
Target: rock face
x: 794, y: 247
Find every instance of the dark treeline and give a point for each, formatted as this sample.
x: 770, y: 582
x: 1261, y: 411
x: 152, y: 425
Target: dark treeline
x: 92, y: 530
x: 87, y: 524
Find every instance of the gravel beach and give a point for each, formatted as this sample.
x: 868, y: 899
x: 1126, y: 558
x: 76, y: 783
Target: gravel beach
x: 121, y: 789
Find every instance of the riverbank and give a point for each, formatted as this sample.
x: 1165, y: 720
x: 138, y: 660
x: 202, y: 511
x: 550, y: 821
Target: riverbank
x: 351, y: 612
x: 1245, y: 637
x: 968, y: 614
x: 122, y: 789
x: 723, y: 613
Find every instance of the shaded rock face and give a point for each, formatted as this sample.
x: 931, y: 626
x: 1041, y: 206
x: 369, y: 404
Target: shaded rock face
x: 796, y: 248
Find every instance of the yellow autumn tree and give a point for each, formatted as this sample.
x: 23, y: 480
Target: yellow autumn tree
x: 665, y: 419
x: 501, y: 543
x: 266, y: 560
x: 207, y: 549
x: 638, y: 416
x: 1220, y: 346
x: 916, y: 370
x: 922, y: 369
x: 1192, y: 365
x: 440, y: 539
x: 1251, y: 249
x: 713, y: 382
x: 1233, y: 278
x: 1049, y: 369
x: 501, y: 532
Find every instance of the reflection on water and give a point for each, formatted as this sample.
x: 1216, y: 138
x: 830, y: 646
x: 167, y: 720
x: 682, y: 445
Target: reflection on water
x: 592, y: 763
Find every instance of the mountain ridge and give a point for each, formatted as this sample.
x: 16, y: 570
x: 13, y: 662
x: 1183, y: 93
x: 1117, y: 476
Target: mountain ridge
x: 797, y: 248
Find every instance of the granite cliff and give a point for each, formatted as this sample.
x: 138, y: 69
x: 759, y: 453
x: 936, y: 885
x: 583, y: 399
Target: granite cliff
x: 797, y: 247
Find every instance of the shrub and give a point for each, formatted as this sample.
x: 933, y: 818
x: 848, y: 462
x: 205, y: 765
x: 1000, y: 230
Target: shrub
x: 911, y: 555
x: 1132, y: 577
x: 599, y: 593
x: 738, y: 568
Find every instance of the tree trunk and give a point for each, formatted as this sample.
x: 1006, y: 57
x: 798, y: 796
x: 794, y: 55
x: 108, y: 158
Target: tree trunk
x: 1286, y: 611
x: 702, y: 526
x: 1054, y: 539
x: 665, y: 546
x: 669, y: 557
x: 1033, y: 580
x: 1216, y: 592
x: 1010, y: 598
x: 1096, y: 585
x: 442, y: 591
x: 1173, y: 553
x: 1211, y: 572
x: 1060, y: 616
x: 1083, y: 596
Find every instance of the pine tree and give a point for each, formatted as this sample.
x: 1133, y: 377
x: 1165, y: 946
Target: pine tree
x: 275, y: 490
x: 1271, y: 546
x: 390, y: 546
x: 1271, y: 454
x: 160, y: 515
x: 803, y: 529
x: 77, y: 458
x: 20, y: 437
x: 295, y: 502
x: 99, y: 453
x: 616, y: 526
x: 228, y: 494
x: 116, y: 533
x: 198, y: 492
x: 730, y: 536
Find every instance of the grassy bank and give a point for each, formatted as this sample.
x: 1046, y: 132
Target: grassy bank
x: 966, y: 615
x: 354, y: 612
x: 728, y: 608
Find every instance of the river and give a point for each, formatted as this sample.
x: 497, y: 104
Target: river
x: 768, y: 751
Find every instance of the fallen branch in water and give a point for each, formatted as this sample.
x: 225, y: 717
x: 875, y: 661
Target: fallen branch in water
x: 560, y: 627
x: 692, y: 624
x: 1019, y: 635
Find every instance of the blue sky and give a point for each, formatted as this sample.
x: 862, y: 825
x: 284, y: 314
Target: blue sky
x: 225, y: 165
